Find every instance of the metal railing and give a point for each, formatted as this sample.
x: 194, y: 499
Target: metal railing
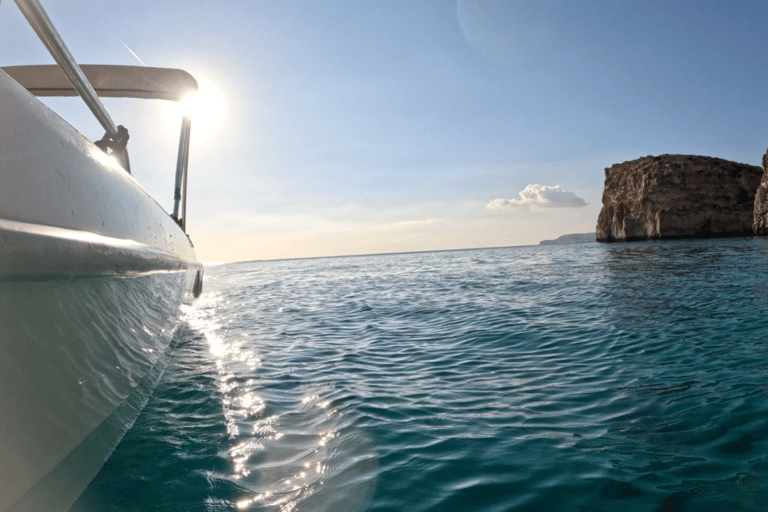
x: 48, y: 34
x: 182, y: 161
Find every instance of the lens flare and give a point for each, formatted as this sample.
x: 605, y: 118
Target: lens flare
x: 206, y: 108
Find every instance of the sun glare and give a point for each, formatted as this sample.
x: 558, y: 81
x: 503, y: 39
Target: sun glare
x: 206, y: 108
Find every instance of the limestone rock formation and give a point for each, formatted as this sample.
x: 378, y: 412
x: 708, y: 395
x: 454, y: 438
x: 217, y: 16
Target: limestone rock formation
x: 761, y: 202
x: 677, y: 196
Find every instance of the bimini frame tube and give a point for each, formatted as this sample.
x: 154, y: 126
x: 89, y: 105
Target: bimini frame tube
x: 181, y: 174
x: 48, y: 34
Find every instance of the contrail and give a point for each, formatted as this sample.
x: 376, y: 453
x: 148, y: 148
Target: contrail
x: 134, y: 54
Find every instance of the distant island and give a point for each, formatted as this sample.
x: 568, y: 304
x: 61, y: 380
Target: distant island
x: 573, y: 238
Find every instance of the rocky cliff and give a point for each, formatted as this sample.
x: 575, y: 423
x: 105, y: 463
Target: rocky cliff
x: 677, y: 196
x: 761, y: 202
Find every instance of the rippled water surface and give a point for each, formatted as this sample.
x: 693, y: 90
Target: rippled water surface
x: 622, y: 377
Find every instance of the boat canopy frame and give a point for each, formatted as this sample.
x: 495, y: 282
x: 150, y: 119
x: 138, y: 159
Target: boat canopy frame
x: 108, y: 81
x: 68, y: 78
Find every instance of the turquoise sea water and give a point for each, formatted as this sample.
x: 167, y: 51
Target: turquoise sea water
x: 593, y: 377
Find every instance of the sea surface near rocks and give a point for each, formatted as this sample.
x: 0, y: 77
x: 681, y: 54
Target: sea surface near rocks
x: 605, y: 377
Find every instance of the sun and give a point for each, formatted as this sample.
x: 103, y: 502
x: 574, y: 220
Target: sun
x: 206, y: 108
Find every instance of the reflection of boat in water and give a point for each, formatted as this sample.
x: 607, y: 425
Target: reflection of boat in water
x: 92, y: 274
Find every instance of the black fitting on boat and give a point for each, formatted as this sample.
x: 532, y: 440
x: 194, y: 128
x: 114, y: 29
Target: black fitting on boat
x: 116, y: 142
x: 116, y: 145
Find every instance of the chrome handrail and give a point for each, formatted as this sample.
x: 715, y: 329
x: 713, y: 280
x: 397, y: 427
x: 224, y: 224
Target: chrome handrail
x: 48, y: 34
x: 182, y: 162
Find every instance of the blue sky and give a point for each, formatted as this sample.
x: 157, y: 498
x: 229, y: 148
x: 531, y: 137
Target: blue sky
x: 356, y: 127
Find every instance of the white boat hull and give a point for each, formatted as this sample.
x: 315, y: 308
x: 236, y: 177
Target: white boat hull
x: 92, y: 274
x: 79, y: 359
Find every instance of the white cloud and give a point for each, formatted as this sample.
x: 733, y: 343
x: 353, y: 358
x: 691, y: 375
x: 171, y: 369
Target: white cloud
x: 541, y: 196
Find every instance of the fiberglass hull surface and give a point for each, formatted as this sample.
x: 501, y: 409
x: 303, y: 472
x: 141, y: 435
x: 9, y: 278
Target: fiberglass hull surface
x: 92, y: 274
x: 80, y: 358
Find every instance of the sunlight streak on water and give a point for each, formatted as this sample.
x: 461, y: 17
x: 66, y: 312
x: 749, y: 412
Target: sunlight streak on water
x: 240, y: 401
x: 281, y: 459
